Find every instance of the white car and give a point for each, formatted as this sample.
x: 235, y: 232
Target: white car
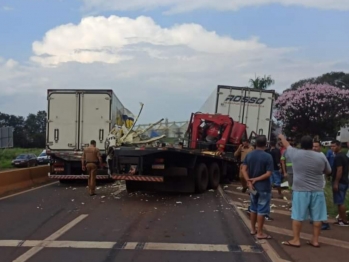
x: 326, y: 143
x: 43, y: 158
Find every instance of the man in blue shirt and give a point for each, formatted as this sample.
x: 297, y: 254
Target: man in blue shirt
x: 330, y: 157
x: 257, y: 169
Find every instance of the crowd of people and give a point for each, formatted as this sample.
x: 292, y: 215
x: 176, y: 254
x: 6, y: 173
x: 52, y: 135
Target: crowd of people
x: 306, y: 169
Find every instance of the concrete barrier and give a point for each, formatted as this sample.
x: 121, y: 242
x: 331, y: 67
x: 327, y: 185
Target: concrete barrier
x: 22, y: 178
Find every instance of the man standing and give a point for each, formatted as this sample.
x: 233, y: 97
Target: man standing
x: 240, y: 154
x: 340, y: 181
x: 89, y: 160
x: 276, y: 175
x: 308, y: 194
x: 257, y: 169
x: 317, y: 148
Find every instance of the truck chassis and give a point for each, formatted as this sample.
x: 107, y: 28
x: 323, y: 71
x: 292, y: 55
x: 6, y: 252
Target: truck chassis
x: 170, y: 169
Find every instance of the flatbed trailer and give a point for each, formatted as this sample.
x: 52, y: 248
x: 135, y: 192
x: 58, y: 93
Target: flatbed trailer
x: 171, y: 169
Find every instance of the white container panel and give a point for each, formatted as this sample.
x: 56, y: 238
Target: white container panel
x: 62, y: 121
x: 95, y: 122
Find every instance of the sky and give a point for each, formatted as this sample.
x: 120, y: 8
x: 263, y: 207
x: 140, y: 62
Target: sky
x: 168, y: 54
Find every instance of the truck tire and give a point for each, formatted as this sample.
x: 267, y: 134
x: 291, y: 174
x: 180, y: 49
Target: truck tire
x: 214, y: 176
x: 64, y: 181
x: 201, y: 178
x: 130, y: 187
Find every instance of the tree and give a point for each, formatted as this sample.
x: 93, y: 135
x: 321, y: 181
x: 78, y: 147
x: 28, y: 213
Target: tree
x: 35, y: 126
x: 29, y: 132
x: 261, y: 83
x: 313, y: 109
x: 338, y: 79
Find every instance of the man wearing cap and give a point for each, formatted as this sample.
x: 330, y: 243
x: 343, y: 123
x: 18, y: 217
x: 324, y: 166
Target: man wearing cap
x: 240, y: 154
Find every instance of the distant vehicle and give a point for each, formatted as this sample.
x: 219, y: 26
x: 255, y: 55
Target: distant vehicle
x: 25, y: 160
x: 326, y: 141
x: 43, y: 158
x: 343, y: 135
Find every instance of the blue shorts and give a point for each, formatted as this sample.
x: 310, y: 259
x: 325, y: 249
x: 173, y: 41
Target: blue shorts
x: 307, y: 205
x: 339, y: 196
x: 260, y: 203
x: 275, y: 178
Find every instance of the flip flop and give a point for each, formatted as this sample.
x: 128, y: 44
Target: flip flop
x: 311, y: 244
x: 266, y: 237
x: 253, y: 233
x: 287, y: 243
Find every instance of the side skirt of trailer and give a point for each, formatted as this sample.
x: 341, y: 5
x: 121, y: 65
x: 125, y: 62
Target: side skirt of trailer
x: 98, y: 177
x: 158, y: 179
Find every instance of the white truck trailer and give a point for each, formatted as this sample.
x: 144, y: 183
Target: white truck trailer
x: 75, y: 117
x: 343, y: 135
x: 252, y: 107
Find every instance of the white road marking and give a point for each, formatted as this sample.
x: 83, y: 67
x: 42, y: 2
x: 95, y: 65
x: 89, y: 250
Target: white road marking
x: 186, y: 247
x: 130, y: 245
x: 29, y: 190
x: 38, y: 247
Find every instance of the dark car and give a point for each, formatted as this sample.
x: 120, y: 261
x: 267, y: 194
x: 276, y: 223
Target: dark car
x: 25, y: 160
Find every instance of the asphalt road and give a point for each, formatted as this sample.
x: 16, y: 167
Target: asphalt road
x: 63, y: 223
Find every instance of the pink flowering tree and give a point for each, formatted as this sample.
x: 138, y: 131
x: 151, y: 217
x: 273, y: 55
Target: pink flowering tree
x: 313, y: 109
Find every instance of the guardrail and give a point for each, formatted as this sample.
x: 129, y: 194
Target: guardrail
x: 17, y: 179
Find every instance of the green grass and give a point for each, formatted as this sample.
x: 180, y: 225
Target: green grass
x: 8, y: 154
x: 331, y: 208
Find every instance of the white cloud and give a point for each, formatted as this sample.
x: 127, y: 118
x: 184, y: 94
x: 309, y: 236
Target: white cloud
x: 174, y: 6
x: 172, y: 70
x: 11, y: 63
x: 116, y: 39
x: 7, y: 8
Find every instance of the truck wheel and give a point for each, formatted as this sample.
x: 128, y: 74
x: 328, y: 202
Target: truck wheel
x: 201, y: 178
x: 64, y: 181
x: 214, y: 176
x: 130, y: 187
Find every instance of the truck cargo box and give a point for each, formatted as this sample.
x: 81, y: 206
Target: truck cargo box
x: 252, y: 107
x: 75, y: 117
